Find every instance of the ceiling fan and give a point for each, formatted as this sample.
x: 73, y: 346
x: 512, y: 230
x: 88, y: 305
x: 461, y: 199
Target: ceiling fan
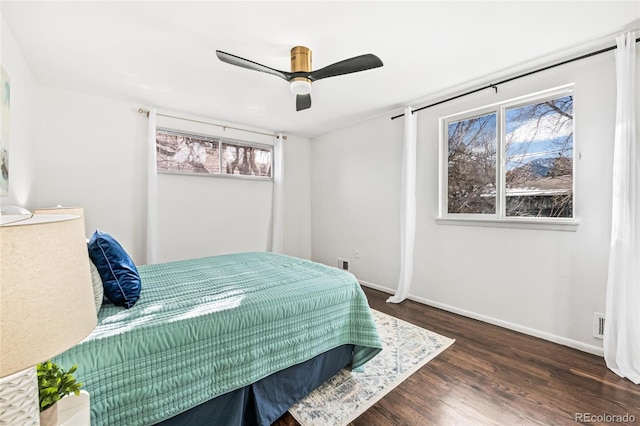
x: 301, y: 76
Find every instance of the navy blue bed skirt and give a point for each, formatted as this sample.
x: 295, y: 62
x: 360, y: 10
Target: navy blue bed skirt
x: 263, y: 402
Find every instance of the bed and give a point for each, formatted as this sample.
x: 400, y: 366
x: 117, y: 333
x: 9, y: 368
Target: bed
x: 232, y: 339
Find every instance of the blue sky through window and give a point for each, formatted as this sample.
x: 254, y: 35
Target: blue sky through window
x: 539, y: 132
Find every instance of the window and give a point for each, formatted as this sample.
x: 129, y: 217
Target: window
x: 204, y: 155
x: 510, y: 161
x: 246, y: 160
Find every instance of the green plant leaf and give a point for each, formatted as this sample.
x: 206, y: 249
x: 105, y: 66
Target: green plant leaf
x: 55, y: 383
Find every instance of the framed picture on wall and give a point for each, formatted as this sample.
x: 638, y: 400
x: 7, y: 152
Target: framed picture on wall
x: 5, y: 95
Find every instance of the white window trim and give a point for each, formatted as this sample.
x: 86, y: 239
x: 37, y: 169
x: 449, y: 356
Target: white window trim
x: 499, y: 220
x: 549, y: 224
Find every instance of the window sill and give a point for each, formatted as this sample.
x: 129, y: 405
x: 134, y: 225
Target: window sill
x: 218, y: 175
x: 570, y: 225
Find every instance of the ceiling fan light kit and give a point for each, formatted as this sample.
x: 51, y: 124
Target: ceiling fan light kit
x: 300, y: 86
x: 301, y: 76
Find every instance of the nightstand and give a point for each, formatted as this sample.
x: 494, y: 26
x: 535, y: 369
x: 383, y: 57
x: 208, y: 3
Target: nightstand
x: 74, y: 410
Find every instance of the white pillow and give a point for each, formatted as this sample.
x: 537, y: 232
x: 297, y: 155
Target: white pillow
x: 98, y: 290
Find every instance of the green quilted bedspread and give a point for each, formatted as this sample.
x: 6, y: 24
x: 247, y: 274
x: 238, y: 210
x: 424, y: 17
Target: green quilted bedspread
x: 204, y: 327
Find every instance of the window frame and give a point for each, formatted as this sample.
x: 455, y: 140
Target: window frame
x: 499, y: 218
x: 220, y: 141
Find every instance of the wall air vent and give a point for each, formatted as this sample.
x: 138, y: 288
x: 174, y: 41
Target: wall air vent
x: 342, y: 263
x: 598, y: 325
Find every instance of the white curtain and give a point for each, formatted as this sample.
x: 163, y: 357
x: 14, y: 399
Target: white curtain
x: 277, y: 232
x: 622, y: 323
x: 152, y: 191
x: 407, y: 207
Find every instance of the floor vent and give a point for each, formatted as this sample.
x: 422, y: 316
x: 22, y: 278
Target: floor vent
x: 598, y: 325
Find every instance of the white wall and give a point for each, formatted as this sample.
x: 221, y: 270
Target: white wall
x: 90, y: 152
x: 546, y: 283
x: 355, y: 203
x: 22, y: 131
x: 202, y: 216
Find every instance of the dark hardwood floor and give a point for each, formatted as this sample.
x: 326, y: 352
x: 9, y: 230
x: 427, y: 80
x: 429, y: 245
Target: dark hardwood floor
x: 495, y: 376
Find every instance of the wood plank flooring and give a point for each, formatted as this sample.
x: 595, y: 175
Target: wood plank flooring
x: 495, y: 376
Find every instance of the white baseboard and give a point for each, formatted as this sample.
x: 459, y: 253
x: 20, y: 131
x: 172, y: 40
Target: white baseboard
x: 595, y: 350
x: 376, y: 286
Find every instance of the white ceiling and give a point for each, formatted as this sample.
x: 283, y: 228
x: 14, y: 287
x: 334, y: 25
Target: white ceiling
x: 163, y: 53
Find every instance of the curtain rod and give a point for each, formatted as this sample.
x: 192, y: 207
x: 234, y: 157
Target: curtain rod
x: 224, y: 127
x: 495, y: 85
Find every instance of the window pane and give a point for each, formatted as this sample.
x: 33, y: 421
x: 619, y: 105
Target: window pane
x: 186, y: 153
x: 246, y: 160
x: 472, y: 165
x: 539, y: 159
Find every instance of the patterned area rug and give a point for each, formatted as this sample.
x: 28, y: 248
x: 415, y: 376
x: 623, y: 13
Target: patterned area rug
x: 348, y: 394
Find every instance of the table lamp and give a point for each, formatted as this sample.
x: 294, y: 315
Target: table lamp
x: 46, y: 304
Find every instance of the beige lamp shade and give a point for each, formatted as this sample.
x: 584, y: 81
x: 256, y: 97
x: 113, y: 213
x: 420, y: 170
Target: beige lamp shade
x: 46, y: 296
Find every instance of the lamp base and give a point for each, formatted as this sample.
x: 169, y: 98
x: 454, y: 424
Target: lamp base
x: 19, y: 399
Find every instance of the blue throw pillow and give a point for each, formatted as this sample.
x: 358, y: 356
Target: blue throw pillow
x: 119, y: 274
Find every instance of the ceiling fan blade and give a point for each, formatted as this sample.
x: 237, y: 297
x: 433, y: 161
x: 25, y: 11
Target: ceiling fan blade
x: 245, y: 63
x: 303, y: 102
x: 356, y: 64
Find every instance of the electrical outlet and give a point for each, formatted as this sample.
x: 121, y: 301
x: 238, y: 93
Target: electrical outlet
x: 356, y: 253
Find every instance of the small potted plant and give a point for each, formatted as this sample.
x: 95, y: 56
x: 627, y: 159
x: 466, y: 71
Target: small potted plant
x: 53, y: 384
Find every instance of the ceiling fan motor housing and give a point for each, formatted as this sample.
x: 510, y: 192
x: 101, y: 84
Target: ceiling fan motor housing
x: 300, y: 59
x: 300, y: 62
